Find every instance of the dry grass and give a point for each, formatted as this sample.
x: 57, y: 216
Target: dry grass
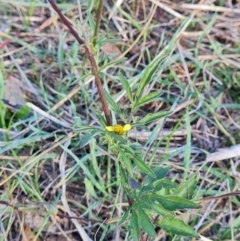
x: 46, y: 174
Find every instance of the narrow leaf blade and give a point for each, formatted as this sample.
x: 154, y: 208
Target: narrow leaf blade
x: 153, y: 117
x: 146, y: 99
x: 89, y: 187
x: 112, y: 103
x: 160, y: 172
x: 111, y: 63
x: 147, y: 75
x: 87, y: 138
x: 126, y: 86
x: 143, y: 167
x: 124, y: 216
x: 187, y: 189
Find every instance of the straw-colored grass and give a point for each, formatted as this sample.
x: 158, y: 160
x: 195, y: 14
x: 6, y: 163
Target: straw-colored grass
x: 55, y: 188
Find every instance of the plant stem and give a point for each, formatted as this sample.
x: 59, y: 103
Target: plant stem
x: 91, y: 59
x: 99, y: 15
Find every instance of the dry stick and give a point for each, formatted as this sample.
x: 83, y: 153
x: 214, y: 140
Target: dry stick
x: 91, y: 59
x: 99, y: 15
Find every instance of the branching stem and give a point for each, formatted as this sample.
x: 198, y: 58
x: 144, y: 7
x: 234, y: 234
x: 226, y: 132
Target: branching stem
x: 91, y: 59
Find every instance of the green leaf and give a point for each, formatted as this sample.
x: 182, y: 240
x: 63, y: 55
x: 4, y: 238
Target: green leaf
x: 153, y: 117
x: 177, y: 227
x: 1, y: 85
x: 135, y: 230
x: 147, y: 75
x: 111, y: 63
x: 124, y: 216
x: 61, y: 52
x: 123, y: 176
x: 23, y: 112
x: 126, y: 86
x: 143, y: 167
x: 163, y: 183
x: 126, y: 162
x: 139, y: 125
x: 148, y: 98
x: 145, y: 223
x: 91, y: 21
x: 87, y: 138
x: 187, y: 189
x: 101, y: 119
x: 157, y: 208
x: 147, y: 189
x: 187, y: 152
x: 173, y: 203
x: 117, y: 137
x: 160, y: 172
x: 131, y: 19
x: 112, y: 103
x: 89, y: 187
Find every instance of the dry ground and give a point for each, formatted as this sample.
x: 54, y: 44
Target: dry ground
x: 46, y: 174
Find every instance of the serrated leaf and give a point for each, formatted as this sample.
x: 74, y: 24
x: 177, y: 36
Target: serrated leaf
x: 177, y: 227
x: 159, y: 209
x: 112, y: 103
x: 173, y: 203
x: 163, y: 183
x: 143, y: 167
x: 126, y: 86
x: 147, y: 189
x: 154, y: 116
x: 147, y: 75
x: 160, y: 172
x: 146, y: 99
x: 187, y: 189
x: 135, y: 230
x: 145, y: 223
x: 142, y: 205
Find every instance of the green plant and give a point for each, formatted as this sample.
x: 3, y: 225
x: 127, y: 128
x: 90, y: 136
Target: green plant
x: 152, y: 201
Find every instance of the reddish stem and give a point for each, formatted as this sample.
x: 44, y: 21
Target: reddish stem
x: 91, y: 59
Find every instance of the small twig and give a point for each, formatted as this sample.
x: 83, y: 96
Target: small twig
x: 224, y: 154
x: 91, y: 59
x: 99, y: 15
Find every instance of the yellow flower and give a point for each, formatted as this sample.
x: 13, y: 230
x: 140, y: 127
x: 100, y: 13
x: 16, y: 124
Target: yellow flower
x: 119, y: 129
